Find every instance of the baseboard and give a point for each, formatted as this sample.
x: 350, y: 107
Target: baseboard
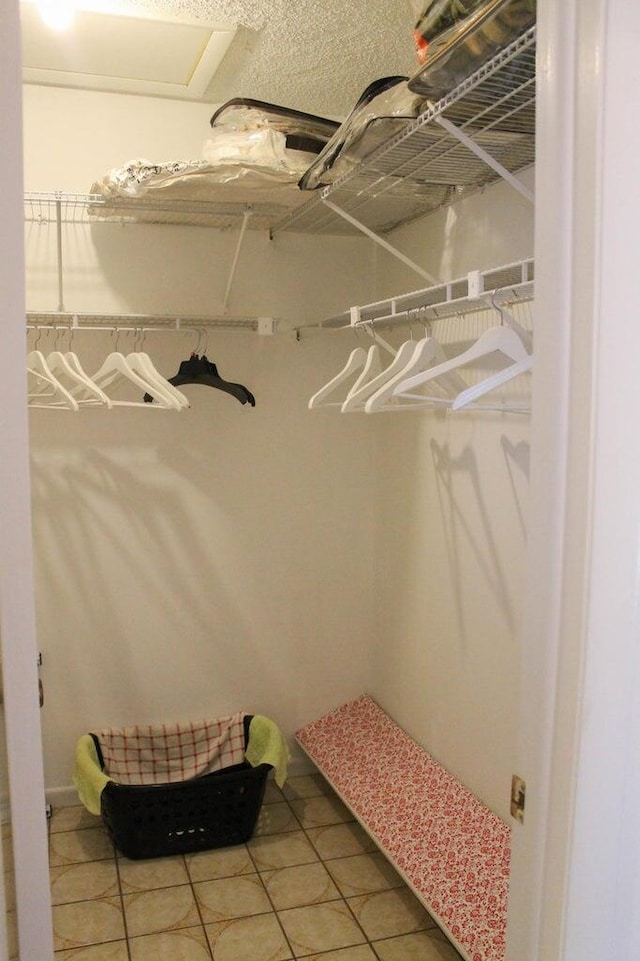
x: 62, y: 797
x: 58, y: 797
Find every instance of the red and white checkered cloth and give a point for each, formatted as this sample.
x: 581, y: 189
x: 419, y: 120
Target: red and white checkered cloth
x: 161, y: 754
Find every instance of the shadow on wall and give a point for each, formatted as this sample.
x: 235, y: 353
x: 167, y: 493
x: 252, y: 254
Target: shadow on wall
x: 471, y: 525
x: 197, y: 562
x: 473, y: 229
x: 188, y: 557
x: 152, y: 268
x: 139, y: 586
x: 518, y: 461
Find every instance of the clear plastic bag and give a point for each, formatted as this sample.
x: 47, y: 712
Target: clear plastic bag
x: 438, y: 16
x: 265, y: 148
x: 455, y: 53
x: 242, y: 114
x: 383, y: 109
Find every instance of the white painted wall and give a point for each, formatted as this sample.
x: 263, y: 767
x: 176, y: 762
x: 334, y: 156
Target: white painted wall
x: 280, y: 559
x: 74, y: 137
x: 451, y: 527
x: 491, y: 227
x: 192, y: 564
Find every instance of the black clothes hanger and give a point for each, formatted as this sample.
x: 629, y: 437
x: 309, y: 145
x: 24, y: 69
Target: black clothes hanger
x: 200, y: 370
x: 236, y: 390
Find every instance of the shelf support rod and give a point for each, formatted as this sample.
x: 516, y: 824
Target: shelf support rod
x: 485, y: 157
x: 381, y: 241
x: 59, y: 253
x: 245, y: 220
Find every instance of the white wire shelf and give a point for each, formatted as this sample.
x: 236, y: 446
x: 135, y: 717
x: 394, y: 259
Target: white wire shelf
x: 425, y: 166
x: 57, y: 209
x: 498, y: 286
x: 58, y: 206
x: 69, y: 320
x: 420, y: 169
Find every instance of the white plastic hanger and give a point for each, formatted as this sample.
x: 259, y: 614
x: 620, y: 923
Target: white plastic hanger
x: 471, y: 394
x: 357, y: 360
x: 143, y: 364
x: 116, y: 369
x: 370, y: 372
x: 68, y: 370
x: 523, y: 362
x: 422, y: 356
x: 45, y: 390
x: 376, y: 378
x: 501, y: 339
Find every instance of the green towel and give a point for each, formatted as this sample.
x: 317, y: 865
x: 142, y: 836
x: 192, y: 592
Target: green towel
x: 88, y: 776
x: 267, y: 746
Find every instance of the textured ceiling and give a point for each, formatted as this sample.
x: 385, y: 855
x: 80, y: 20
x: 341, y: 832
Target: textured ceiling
x: 311, y: 55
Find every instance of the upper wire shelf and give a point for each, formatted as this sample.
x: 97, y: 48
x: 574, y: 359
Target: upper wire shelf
x: 422, y: 168
x: 43, y: 208
x: 425, y: 166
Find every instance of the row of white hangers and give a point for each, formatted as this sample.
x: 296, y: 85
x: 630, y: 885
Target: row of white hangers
x: 57, y: 380
x: 420, y: 376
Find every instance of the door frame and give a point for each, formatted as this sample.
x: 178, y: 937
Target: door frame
x: 17, y: 610
x: 576, y: 877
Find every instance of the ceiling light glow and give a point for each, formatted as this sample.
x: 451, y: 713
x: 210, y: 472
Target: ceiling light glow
x: 57, y: 14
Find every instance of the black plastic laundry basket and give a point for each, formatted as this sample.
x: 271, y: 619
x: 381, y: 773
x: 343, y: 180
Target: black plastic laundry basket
x: 212, y: 811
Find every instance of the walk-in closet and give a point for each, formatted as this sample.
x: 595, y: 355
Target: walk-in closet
x: 356, y: 434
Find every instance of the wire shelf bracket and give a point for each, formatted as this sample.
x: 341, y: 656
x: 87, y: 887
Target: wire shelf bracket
x: 486, y: 157
x: 381, y: 241
x: 236, y: 257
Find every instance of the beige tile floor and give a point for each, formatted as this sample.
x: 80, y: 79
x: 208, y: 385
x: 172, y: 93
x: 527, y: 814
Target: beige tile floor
x: 309, y: 884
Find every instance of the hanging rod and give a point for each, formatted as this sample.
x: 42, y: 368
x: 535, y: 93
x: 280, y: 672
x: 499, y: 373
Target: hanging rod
x: 478, y: 290
x: 55, y: 320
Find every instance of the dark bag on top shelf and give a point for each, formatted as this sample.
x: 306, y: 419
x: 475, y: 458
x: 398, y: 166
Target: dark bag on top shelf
x: 456, y: 52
